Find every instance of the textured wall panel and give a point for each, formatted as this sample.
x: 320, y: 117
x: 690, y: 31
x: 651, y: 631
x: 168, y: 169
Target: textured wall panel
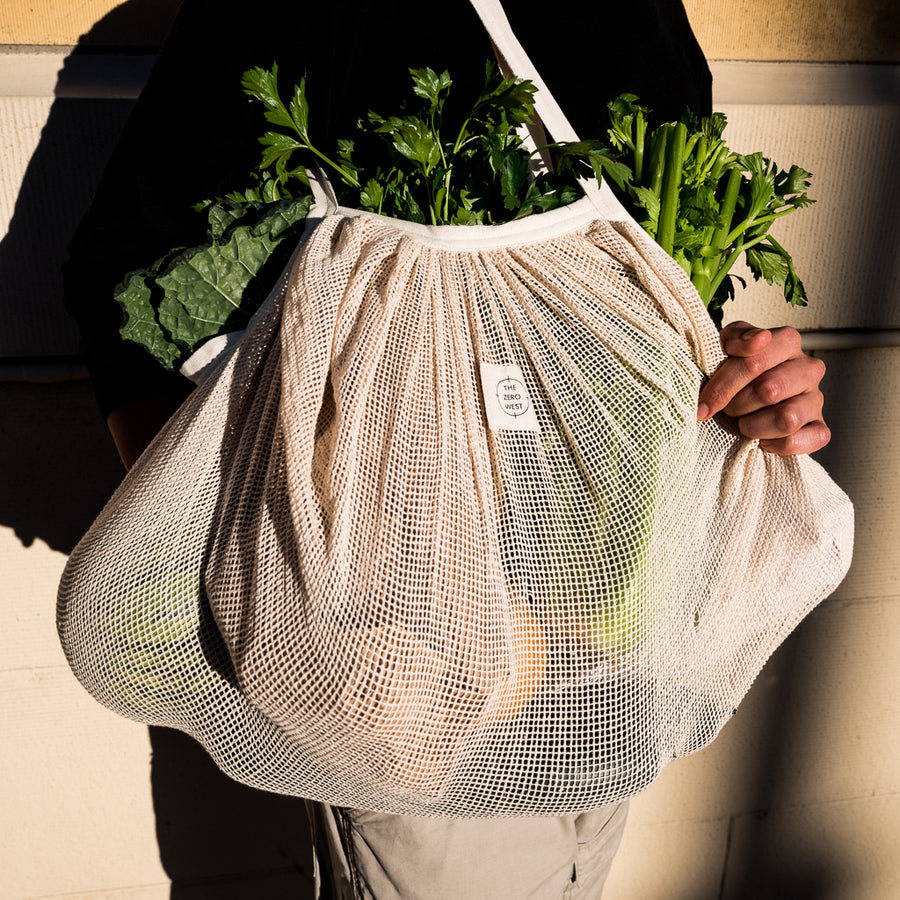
x: 27, y: 626
x: 862, y: 396
x: 77, y: 804
x: 841, y: 704
x: 52, y: 153
x: 843, y: 850
x: 848, y: 30
x: 99, y: 22
x: 676, y: 860
x: 804, y: 83
x: 55, y: 72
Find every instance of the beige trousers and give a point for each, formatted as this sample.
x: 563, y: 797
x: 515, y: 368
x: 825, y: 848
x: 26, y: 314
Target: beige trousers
x: 372, y: 856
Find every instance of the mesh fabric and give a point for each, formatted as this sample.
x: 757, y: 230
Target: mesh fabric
x: 443, y: 535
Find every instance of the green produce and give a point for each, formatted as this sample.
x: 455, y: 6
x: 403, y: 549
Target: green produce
x: 479, y: 174
x: 417, y: 166
x: 606, y: 503
x: 703, y: 204
x: 193, y: 294
x: 155, y: 653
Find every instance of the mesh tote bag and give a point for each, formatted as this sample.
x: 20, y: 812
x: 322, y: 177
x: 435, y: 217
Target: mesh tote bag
x: 442, y: 535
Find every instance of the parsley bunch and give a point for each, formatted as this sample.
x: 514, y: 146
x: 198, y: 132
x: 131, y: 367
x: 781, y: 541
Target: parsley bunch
x: 423, y: 168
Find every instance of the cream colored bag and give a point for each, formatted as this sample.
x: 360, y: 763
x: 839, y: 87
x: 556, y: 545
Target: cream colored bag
x: 442, y: 536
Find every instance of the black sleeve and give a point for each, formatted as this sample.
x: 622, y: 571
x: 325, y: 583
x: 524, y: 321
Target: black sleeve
x: 192, y: 133
x: 642, y: 47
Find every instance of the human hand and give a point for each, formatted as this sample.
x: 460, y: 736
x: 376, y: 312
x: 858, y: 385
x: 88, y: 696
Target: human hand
x: 770, y: 387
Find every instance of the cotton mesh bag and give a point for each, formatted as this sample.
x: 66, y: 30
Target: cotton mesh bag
x: 442, y: 535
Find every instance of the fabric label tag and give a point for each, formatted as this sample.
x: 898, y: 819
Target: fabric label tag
x: 506, y: 399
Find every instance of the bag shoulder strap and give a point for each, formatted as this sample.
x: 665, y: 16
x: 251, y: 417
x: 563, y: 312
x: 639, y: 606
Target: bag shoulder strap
x: 512, y: 54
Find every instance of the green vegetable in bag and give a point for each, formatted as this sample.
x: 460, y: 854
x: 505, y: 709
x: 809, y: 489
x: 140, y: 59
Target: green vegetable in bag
x: 154, y: 627
x: 191, y: 295
x: 607, y: 505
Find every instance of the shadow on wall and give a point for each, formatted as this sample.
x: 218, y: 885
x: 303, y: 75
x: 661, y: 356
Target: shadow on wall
x: 218, y: 840
x: 775, y: 850
x: 58, y: 183
x: 804, y: 850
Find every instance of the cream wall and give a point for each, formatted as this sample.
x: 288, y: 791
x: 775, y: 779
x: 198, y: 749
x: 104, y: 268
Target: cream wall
x: 61, y: 23
x: 798, y: 797
x: 808, y: 30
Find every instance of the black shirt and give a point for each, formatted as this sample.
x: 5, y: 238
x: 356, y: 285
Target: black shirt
x: 192, y: 133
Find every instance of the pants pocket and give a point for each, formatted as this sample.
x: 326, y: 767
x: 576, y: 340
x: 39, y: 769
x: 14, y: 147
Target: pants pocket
x: 599, y: 835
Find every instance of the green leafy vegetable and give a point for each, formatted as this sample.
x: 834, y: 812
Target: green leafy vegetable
x: 704, y: 204
x: 191, y: 295
x: 279, y: 146
x: 424, y: 169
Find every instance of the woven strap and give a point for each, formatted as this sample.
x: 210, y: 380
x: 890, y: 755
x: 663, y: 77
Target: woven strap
x: 515, y: 60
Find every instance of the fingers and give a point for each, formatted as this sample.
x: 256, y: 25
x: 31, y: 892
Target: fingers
x: 743, y: 339
x: 784, y: 427
x: 770, y: 387
x: 808, y: 439
x: 752, y: 354
x: 794, y: 379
